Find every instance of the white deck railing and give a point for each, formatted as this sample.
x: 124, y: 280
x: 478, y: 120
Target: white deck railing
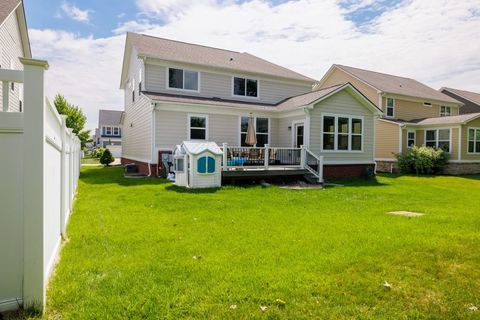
x: 267, y: 157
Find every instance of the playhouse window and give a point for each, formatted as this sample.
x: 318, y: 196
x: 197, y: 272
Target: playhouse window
x: 179, y: 164
x: 206, y: 165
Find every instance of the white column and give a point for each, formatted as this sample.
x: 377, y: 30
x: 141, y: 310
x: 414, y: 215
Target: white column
x: 303, y: 156
x: 267, y: 146
x: 34, y: 176
x: 320, y: 170
x: 225, y: 156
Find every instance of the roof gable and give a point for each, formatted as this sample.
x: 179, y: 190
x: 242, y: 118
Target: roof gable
x: 467, y: 95
x: 177, y: 51
x: 109, y: 117
x: 9, y: 7
x: 387, y: 83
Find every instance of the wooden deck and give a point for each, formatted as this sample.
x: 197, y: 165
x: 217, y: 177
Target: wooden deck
x: 263, y: 173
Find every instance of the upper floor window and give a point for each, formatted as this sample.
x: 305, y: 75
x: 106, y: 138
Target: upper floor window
x: 133, y: 90
x: 438, y: 138
x: 140, y: 78
x: 390, y: 108
x: 197, y: 127
x: 342, y: 133
x: 473, y: 140
x: 116, y: 131
x: 182, y: 79
x: 445, y: 111
x: 261, y: 131
x: 245, y: 87
x: 108, y: 131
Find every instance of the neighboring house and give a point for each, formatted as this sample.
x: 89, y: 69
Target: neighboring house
x: 109, y: 131
x: 413, y: 114
x: 470, y: 100
x: 14, y: 43
x: 176, y: 91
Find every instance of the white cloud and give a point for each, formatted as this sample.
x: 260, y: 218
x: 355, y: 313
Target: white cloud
x: 85, y: 70
x: 436, y: 42
x: 76, y: 13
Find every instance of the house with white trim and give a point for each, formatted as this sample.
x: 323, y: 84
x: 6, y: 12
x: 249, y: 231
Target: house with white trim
x: 176, y: 91
x: 108, y: 134
x: 14, y: 44
x: 414, y: 114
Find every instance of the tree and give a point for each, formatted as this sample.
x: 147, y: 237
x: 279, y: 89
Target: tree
x: 75, y: 118
x: 106, y: 158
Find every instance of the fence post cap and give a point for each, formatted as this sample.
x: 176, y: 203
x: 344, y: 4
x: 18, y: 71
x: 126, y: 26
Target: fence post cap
x: 34, y: 62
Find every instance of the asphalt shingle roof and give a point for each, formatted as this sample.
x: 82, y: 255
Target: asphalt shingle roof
x: 468, y: 95
x: 287, y: 104
x: 6, y: 7
x: 109, y: 117
x: 397, y: 85
x: 447, y: 120
x: 172, y: 50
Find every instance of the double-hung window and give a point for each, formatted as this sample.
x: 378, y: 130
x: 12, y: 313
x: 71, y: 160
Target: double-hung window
x: 473, y: 140
x: 438, y: 138
x: 410, y: 139
x: 342, y: 133
x: 261, y: 131
x: 245, y: 87
x: 445, y: 111
x: 197, y: 129
x: 390, y: 107
x: 108, y: 131
x: 116, y: 131
x: 183, y: 79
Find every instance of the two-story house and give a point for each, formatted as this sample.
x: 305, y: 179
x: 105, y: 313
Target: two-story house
x: 470, y: 100
x: 14, y: 43
x: 413, y: 114
x: 176, y: 91
x: 109, y: 131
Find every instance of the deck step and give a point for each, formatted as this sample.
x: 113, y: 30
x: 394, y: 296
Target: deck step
x: 311, y: 178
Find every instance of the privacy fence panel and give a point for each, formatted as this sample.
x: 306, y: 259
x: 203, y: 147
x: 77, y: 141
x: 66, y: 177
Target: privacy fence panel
x: 40, y: 166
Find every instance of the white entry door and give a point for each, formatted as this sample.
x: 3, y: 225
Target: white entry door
x: 298, y: 135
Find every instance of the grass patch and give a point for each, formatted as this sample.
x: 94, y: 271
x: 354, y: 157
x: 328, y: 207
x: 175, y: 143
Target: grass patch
x: 326, y: 253
x: 91, y: 161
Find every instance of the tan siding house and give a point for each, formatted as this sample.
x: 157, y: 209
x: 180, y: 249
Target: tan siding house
x: 411, y: 112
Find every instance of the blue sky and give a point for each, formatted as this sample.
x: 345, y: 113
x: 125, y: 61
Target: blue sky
x: 83, y: 40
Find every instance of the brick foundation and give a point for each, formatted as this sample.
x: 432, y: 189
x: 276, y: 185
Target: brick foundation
x: 387, y: 166
x: 142, y: 166
x: 346, y: 171
x: 462, y: 168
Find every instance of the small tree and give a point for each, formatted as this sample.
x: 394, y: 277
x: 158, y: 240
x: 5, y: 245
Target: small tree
x: 76, y: 119
x: 106, y: 158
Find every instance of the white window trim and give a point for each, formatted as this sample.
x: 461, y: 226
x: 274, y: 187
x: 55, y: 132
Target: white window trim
x: 386, y: 107
x: 176, y: 161
x: 414, y: 137
x: 427, y: 104
x: 167, y: 77
x: 117, y: 129
x: 474, y: 141
x: 206, y: 126
x: 436, y: 137
x: 335, y: 142
x: 294, y: 133
x: 245, y: 96
x: 443, y: 114
x: 255, y: 121
x: 107, y: 129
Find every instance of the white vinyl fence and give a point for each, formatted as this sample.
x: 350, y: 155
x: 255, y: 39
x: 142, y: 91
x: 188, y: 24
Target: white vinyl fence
x: 39, y: 170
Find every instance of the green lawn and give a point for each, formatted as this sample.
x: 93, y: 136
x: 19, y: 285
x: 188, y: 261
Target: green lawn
x: 141, y: 249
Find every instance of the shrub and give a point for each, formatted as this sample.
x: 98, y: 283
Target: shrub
x: 97, y: 153
x: 106, y: 157
x: 422, y: 160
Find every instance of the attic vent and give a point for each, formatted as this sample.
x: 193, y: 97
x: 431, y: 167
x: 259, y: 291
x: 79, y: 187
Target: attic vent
x: 231, y: 59
x: 400, y: 85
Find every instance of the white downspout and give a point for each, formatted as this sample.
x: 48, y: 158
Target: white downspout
x: 152, y: 151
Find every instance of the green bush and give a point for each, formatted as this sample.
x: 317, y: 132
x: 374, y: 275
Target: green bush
x: 97, y: 153
x: 422, y: 160
x: 106, y: 158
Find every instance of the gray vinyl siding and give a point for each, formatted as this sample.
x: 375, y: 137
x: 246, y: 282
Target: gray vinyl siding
x: 137, y: 130
x: 220, y: 86
x: 172, y: 128
x: 342, y: 103
x: 10, y: 49
x: 283, y: 135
